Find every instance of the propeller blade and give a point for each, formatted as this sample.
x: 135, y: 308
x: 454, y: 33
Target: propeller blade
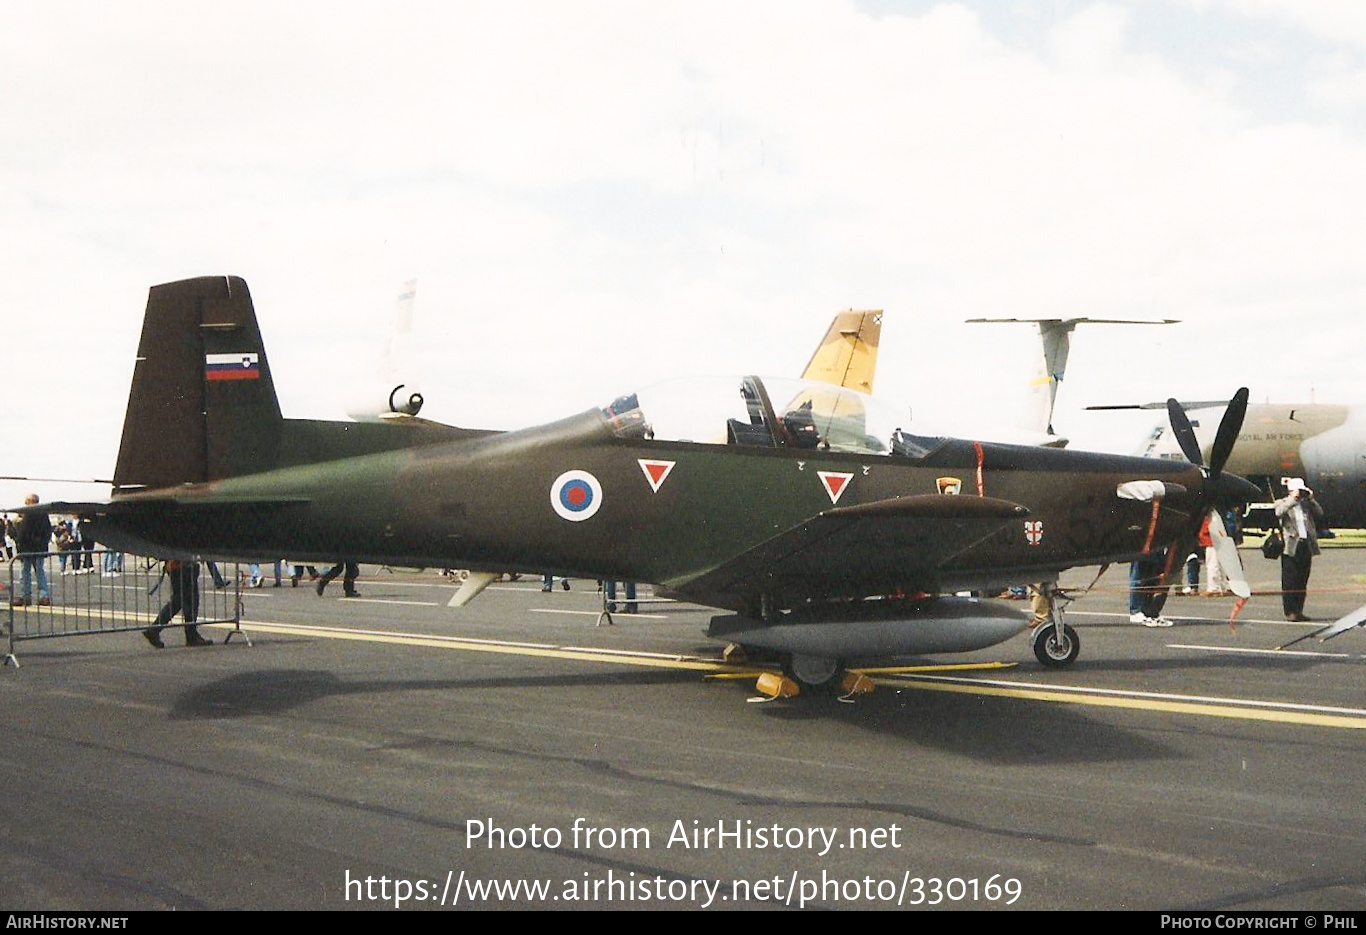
x: 1185, y: 433
x: 1229, y: 562
x: 1229, y: 427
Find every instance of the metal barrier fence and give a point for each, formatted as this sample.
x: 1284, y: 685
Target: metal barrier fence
x: 81, y: 592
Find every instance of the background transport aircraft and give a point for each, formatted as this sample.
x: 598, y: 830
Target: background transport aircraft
x: 807, y: 522
x: 1323, y: 444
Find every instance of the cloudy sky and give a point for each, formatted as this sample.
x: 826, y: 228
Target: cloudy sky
x: 593, y: 196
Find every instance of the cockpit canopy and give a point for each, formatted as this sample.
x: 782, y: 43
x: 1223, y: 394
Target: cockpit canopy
x: 767, y: 413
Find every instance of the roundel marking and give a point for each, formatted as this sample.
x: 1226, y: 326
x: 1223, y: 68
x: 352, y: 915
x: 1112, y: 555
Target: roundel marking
x: 576, y: 495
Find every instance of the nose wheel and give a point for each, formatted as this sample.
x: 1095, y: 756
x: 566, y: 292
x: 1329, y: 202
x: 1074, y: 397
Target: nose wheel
x: 1053, y: 650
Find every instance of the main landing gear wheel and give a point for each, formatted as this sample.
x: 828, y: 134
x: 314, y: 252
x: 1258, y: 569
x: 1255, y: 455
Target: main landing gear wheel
x: 814, y: 673
x: 1053, y: 652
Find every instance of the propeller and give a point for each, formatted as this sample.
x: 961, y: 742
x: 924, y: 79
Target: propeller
x: 1220, y: 490
x: 1224, y: 439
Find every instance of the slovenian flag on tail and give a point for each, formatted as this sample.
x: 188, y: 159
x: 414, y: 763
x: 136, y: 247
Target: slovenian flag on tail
x: 232, y: 367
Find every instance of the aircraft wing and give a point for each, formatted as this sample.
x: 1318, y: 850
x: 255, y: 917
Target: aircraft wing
x: 1355, y: 619
x: 1338, y: 627
x: 903, y: 539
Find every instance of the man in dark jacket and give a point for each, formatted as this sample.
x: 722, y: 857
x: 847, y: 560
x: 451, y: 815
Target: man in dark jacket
x: 32, y: 533
x: 1298, y: 513
x: 184, y: 601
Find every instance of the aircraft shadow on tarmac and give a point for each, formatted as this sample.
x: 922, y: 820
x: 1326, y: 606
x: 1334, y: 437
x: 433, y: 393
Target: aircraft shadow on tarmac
x: 996, y: 730
x: 1002, y: 731
x: 1279, y: 893
x: 276, y: 691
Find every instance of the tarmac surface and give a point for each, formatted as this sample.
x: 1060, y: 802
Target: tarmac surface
x: 388, y: 750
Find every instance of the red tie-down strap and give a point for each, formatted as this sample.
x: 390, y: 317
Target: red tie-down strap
x: 1152, y: 525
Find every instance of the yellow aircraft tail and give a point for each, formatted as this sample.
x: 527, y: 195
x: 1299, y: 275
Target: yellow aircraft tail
x: 847, y: 355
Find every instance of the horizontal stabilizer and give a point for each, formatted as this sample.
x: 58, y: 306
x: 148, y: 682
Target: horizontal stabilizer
x: 1073, y: 321
x: 202, y: 503
x: 62, y: 508
x: 1197, y: 404
x: 138, y: 504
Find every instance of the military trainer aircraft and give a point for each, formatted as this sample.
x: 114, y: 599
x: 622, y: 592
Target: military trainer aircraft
x: 826, y: 529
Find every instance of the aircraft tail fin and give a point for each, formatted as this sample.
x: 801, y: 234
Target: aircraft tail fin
x: 1055, y: 335
x: 202, y: 405
x: 847, y: 355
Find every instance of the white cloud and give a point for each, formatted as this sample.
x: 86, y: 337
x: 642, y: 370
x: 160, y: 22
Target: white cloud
x: 1338, y: 86
x: 1334, y: 21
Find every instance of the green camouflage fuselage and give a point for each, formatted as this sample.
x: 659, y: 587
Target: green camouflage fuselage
x: 485, y: 503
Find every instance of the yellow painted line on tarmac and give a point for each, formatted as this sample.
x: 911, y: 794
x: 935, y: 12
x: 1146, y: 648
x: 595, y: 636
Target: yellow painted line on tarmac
x: 1235, y: 709
x: 954, y: 667
x: 469, y: 644
x: 385, y: 600
x: 595, y: 613
x: 80, y: 613
x: 887, y: 670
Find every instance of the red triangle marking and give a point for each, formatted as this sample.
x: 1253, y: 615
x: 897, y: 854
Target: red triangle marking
x: 834, y: 483
x: 656, y: 471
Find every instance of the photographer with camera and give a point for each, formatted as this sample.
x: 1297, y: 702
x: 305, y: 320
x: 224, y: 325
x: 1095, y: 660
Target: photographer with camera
x: 1297, y: 512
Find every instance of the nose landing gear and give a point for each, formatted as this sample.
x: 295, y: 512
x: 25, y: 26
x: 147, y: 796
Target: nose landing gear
x: 1055, y: 643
